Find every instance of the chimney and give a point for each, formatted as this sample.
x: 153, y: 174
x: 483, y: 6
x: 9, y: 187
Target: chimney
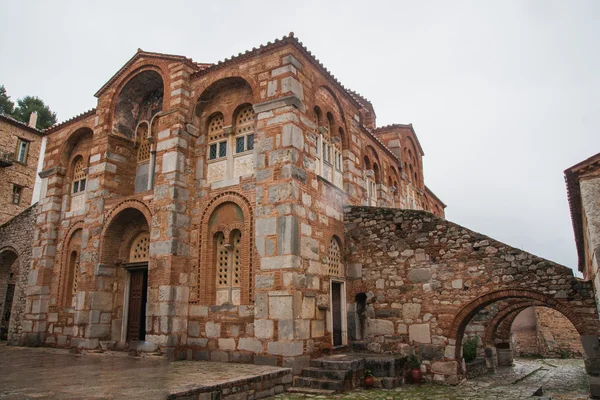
x: 33, y: 119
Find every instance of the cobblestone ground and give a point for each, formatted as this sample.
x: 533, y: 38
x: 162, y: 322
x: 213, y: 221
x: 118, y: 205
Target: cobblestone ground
x: 560, y: 380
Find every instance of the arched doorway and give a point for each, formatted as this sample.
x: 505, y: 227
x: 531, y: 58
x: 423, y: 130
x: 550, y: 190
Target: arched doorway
x: 9, y: 266
x: 126, y: 245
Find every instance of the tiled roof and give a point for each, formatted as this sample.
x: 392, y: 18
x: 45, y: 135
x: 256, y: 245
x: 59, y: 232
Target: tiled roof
x: 71, y: 120
x: 574, y: 195
x: 289, y: 39
x: 20, y: 124
x: 141, y: 53
x: 409, y: 126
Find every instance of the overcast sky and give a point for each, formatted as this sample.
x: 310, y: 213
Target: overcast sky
x: 504, y: 95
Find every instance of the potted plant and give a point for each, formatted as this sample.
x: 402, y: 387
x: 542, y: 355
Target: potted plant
x: 369, y: 380
x: 413, y: 363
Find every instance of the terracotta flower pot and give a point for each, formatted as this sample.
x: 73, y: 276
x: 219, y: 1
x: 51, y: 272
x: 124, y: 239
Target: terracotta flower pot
x: 415, y: 374
x: 369, y: 381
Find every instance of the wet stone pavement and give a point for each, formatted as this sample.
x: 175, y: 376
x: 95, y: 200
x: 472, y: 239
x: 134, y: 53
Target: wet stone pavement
x: 559, y: 379
x: 45, y: 373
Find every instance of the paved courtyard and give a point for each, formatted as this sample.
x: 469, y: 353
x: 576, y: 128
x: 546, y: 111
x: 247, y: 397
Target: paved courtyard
x: 44, y: 373
x: 560, y: 379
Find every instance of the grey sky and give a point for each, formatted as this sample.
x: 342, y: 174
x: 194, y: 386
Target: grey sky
x: 504, y: 95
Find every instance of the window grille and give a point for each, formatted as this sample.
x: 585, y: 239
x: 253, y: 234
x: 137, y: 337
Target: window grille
x: 334, y: 258
x: 140, y: 247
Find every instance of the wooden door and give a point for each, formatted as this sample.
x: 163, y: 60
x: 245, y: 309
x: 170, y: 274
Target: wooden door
x: 336, y: 312
x: 136, y: 316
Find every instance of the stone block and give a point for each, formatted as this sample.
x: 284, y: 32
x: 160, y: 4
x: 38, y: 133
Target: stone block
x: 411, y: 310
x: 308, y: 308
x: 250, y: 344
x: 287, y: 349
x: 213, y: 329
x: 265, y: 360
x: 263, y: 328
x: 291, y: 135
x: 266, y: 226
x: 285, y: 329
x: 444, y: 367
x: 296, y: 363
x: 219, y: 356
x: 317, y: 328
x: 227, y: 344
x: 419, y: 275
x: 281, y: 307
x: 419, y: 333
x: 377, y: 327
x: 287, y: 235
x: 301, y: 329
x: 431, y: 351
x: 193, y: 328
x: 355, y: 270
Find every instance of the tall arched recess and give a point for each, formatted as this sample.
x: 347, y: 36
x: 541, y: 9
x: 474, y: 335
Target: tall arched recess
x: 140, y: 99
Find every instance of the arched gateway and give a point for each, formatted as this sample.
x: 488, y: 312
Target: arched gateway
x: 427, y: 278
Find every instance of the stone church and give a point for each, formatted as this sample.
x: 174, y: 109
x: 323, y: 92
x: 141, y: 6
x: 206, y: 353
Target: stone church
x: 252, y: 211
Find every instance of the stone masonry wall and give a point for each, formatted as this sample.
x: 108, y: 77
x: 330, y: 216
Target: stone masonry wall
x: 15, y: 236
x: 425, y: 278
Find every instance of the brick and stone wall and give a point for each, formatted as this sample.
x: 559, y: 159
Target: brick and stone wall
x: 426, y: 278
x: 15, y: 259
x: 21, y: 174
x: 545, y: 332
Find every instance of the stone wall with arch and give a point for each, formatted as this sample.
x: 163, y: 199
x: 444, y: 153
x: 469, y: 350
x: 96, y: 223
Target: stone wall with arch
x: 426, y: 278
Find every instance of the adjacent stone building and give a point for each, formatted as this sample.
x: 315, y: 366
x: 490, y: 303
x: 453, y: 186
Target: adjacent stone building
x: 20, y: 147
x: 583, y: 189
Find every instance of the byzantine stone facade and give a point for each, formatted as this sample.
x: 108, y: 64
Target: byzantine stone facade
x: 20, y: 146
x: 198, y: 209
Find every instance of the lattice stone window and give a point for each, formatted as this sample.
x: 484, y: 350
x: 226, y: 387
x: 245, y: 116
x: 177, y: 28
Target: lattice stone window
x: 75, y: 276
x: 222, y: 261
x: 215, y: 125
x: 335, y: 259
x: 79, y: 175
x: 143, y: 154
x: 139, y: 248
x: 237, y: 262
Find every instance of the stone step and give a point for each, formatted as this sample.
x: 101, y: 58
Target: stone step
x: 333, y: 374
x: 353, y: 364
x: 315, y: 392
x: 317, y: 383
x: 359, y: 346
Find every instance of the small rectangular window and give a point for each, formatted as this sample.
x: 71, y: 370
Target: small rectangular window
x: 82, y: 185
x: 22, y: 150
x: 239, y: 144
x: 212, y: 154
x: 75, y: 186
x: 250, y: 142
x: 222, y: 149
x: 16, y: 194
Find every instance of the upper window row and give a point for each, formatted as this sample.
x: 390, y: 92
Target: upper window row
x: 240, y: 141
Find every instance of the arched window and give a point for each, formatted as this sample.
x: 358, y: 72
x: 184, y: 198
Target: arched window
x: 78, y: 183
x: 70, y: 272
x: 217, y: 147
x: 370, y: 177
x: 244, y: 127
x: 228, y: 263
x: 334, y: 258
x: 79, y: 175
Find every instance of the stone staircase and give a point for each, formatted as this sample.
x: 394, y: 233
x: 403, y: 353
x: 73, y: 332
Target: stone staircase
x: 338, y: 373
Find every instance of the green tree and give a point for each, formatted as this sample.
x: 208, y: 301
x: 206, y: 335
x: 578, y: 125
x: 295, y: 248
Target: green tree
x: 28, y: 104
x: 6, y: 106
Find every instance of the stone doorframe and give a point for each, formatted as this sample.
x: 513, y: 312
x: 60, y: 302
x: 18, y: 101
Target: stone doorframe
x: 343, y: 310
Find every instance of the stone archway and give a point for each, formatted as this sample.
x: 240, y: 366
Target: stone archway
x: 428, y: 277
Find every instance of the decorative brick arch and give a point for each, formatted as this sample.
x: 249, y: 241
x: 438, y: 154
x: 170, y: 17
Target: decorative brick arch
x: 463, y: 317
x: 64, y: 259
x: 204, y: 289
x: 114, y: 214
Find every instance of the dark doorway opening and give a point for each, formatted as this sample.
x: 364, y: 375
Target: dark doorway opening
x: 336, y: 312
